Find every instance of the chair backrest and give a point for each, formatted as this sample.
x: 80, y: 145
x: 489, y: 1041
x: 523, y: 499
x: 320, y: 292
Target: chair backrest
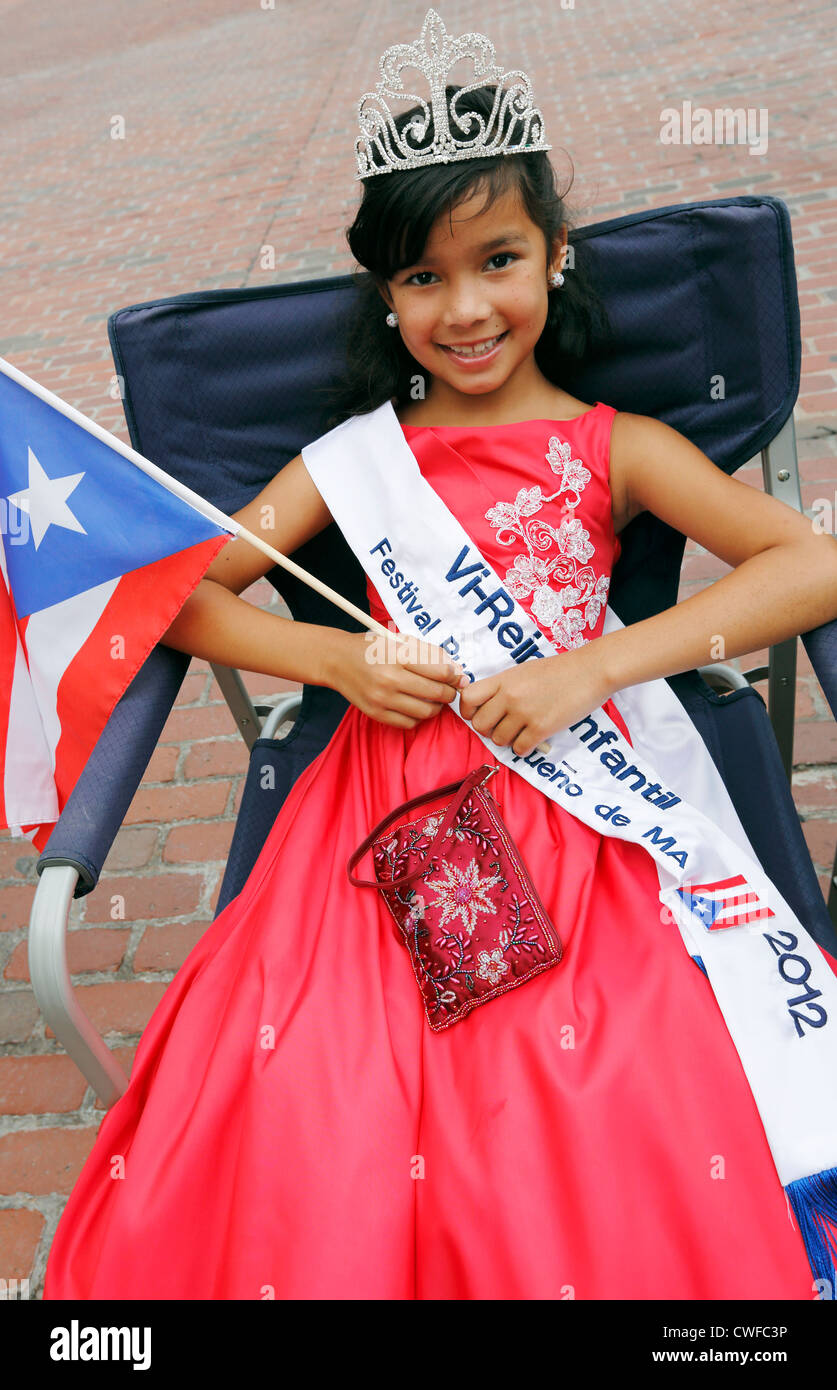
x: 223, y: 388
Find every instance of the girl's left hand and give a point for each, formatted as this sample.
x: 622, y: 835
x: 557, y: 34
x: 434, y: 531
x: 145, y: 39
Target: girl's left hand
x: 524, y: 704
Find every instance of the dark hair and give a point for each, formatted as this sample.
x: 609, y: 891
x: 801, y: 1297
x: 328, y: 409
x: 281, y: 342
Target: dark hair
x: 390, y: 232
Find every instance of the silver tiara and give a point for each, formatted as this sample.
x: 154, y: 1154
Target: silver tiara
x: 434, y: 54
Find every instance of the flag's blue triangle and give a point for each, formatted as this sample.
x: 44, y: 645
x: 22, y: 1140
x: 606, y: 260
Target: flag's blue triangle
x: 706, y: 909
x: 93, y: 515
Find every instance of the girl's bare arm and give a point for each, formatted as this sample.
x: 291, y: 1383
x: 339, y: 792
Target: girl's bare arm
x: 217, y: 625
x: 784, y: 576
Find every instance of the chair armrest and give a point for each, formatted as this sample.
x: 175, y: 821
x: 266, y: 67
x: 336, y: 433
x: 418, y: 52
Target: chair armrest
x: 94, y: 812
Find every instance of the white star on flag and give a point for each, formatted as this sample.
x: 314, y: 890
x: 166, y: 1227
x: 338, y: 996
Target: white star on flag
x: 45, y: 500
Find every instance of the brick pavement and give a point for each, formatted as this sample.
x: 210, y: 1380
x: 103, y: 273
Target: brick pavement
x: 238, y: 133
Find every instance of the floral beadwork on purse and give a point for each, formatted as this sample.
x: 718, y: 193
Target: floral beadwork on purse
x: 462, y: 899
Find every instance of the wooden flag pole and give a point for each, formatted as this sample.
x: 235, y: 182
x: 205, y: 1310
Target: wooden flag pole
x: 314, y: 583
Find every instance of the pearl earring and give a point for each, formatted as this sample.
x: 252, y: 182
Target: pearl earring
x: 556, y: 279
x: 392, y: 320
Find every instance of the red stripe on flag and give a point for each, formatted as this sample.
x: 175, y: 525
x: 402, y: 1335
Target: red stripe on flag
x: 143, y: 606
x: 721, y: 883
x: 743, y: 917
x: 730, y: 904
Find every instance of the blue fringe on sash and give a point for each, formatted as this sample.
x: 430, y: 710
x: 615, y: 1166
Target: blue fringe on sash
x: 814, y: 1200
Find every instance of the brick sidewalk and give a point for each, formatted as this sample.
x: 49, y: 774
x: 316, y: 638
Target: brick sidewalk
x: 238, y: 133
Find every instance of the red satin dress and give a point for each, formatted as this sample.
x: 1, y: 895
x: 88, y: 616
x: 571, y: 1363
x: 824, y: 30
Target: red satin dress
x: 294, y: 1129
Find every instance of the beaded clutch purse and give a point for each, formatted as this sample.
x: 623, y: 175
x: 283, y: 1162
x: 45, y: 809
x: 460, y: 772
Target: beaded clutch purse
x: 472, y: 920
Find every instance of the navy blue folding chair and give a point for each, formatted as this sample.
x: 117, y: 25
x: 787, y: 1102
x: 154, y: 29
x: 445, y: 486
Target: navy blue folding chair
x: 222, y: 388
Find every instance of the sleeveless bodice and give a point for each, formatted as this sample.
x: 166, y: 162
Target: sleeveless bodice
x: 535, y: 498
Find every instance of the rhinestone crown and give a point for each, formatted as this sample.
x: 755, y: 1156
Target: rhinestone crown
x: 434, y: 53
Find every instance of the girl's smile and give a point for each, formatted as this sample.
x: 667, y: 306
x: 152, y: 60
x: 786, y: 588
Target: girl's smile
x: 474, y: 357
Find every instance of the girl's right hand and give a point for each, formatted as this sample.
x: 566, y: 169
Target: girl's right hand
x: 399, y: 692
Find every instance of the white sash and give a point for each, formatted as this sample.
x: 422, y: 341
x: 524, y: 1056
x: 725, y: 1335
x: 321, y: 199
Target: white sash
x: 772, y: 982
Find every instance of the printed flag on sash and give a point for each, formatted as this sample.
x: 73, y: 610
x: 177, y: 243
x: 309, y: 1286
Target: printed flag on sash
x: 728, y: 902
x: 99, y: 550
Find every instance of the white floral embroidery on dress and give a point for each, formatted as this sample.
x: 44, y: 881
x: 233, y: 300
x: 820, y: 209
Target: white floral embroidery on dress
x: 577, y: 594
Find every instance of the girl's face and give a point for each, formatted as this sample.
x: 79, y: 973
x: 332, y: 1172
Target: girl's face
x: 481, y: 283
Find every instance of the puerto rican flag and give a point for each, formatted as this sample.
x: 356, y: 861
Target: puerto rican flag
x: 729, y: 902
x: 99, y: 550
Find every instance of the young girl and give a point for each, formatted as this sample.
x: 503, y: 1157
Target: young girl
x: 293, y: 1129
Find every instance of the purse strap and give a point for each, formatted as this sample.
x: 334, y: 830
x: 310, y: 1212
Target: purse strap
x: 476, y: 778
